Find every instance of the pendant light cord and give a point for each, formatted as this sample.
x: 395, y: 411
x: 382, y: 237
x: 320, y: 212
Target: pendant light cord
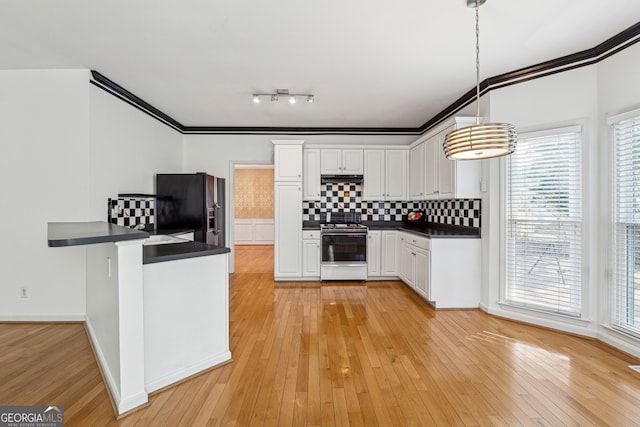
x: 477, y: 62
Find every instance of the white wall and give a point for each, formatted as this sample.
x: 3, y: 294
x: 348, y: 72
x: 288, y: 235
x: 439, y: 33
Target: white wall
x: 43, y: 170
x: 558, y: 100
x: 127, y: 149
x: 67, y: 146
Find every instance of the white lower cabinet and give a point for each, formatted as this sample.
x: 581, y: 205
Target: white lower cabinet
x: 444, y: 271
x: 373, y: 253
x: 382, y: 253
x: 455, y: 273
x: 422, y: 270
x: 311, y: 254
x: 389, y: 253
x: 288, y: 230
x: 415, y: 262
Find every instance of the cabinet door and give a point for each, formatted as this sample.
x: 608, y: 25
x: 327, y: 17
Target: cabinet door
x: 287, y: 162
x: 374, y: 175
x: 311, y: 257
x: 395, y: 174
x: 446, y: 169
x: 431, y: 168
x: 331, y: 161
x: 422, y: 272
x: 311, y: 181
x: 288, y: 229
x: 373, y: 253
x: 407, y: 265
x: 389, y: 253
x: 417, y: 159
x: 352, y: 162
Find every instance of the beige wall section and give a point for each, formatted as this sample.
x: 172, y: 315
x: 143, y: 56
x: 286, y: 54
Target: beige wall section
x: 253, y: 193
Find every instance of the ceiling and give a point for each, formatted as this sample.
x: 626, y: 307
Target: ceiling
x: 370, y: 63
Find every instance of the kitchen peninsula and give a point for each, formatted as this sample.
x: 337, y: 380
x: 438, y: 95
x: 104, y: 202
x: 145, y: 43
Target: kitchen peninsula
x: 156, y: 312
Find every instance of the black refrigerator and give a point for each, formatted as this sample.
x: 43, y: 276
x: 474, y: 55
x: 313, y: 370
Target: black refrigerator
x: 194, y: 201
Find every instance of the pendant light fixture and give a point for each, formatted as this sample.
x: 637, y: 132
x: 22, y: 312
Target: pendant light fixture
x: 480, y: 141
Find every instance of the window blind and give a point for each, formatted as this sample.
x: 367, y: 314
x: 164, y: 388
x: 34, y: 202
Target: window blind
x: 544, y: 222
x: 626, y: 277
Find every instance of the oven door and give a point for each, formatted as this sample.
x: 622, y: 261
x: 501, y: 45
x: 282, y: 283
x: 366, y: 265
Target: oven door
x: 344, y: 247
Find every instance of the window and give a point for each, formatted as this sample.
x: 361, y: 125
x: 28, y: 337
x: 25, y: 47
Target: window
x: 625, y: 131
x: 544, y: 222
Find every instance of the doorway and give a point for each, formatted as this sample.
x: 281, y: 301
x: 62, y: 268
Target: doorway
x: 253, y: 222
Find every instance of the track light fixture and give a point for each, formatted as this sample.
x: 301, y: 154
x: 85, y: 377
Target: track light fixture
x: 284, y: 93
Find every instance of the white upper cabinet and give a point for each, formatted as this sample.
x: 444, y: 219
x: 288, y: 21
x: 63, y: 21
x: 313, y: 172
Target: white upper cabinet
x: 352, y: 162
x: 395, y: 174
x: 446, y: 170
x: 287, y: 159
x: 438, y: 177
x: 431, y: 175
x: 374, y: 176
x: 417, y: 160
x: 385, y: 174
x: 337, y: 161
x: 311, y: 181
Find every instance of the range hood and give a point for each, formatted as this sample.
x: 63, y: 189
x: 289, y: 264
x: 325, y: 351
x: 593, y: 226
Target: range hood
x: 354, y: 179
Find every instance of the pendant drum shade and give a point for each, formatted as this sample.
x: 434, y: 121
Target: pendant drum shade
x: 482, y: 141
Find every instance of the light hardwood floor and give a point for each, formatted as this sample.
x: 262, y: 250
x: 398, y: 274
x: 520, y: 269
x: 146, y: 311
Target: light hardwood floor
x: 361, y: 355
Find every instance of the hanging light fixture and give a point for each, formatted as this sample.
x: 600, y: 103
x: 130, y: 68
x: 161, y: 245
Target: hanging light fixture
x: 480, y: 141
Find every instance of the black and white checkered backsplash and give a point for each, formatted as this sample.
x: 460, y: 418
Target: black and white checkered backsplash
x: 131, y: 211
x: 347, y: 197
x: 464, y: 212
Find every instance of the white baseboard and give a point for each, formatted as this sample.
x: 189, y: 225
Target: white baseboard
x: 619, y: 340
x: 104, y: 367
x: 43, y: 318
x: 180, y: 374
x: 122, y: 405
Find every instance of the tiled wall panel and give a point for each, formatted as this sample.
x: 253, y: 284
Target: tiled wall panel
x: 347, y: 197
x: 131, y: 211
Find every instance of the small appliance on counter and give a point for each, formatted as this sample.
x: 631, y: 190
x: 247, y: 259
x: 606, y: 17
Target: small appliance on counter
x: 194, y: 201
x: 416, y: 217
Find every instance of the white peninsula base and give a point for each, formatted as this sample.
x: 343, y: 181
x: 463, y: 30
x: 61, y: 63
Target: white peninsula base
x: 186, y: 318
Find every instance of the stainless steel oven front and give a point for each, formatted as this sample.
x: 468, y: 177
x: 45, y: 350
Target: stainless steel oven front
x: 344, y: 255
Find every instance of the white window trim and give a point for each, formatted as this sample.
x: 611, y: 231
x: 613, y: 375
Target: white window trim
x: 545, y: 317
x: 611, y: 260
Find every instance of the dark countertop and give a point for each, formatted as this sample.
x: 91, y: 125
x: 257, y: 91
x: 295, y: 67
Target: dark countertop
x: 427, y: 229
x: 437, y: 231
x: 176, y: 251
x: 60, y: 234
x: 171, y: 231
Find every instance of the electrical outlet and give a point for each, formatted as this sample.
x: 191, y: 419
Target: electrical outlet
x: 23, y: 292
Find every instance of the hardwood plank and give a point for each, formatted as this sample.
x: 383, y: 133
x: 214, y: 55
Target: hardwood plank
x: 342, y: 354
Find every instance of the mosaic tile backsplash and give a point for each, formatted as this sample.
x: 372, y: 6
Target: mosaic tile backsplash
x: 338, y: 197
x: 131, y: 211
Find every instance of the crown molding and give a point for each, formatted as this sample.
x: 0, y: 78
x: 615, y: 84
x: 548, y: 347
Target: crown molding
x: 604, y: 50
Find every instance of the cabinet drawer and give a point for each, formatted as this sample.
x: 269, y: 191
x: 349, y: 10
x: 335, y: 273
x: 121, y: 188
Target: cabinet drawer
x: 417, y: 241
x: 310, y: 234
